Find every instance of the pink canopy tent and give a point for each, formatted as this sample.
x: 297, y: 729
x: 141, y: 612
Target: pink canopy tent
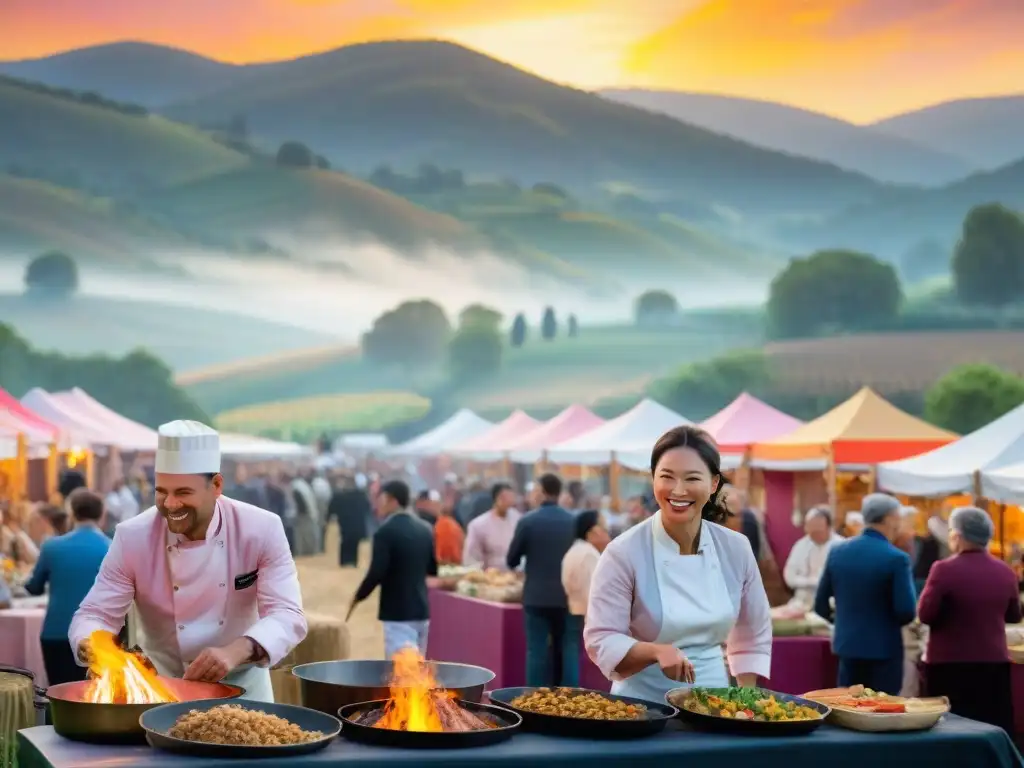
x: 128, y: 435
x: 491, y: 445
x: 747, y: 420
x: 81, y: 429
x: 37, y: 430
x: 573, y: 421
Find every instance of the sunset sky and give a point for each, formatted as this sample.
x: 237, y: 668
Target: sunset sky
x: 856, y: 59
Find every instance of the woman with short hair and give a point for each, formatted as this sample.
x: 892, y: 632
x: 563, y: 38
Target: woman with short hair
x: 967, y: 601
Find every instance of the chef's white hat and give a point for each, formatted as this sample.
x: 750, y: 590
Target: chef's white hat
x: 187, y: 448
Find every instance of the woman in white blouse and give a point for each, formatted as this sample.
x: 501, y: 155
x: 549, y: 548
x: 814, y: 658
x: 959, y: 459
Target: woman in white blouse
x: 670, y: 592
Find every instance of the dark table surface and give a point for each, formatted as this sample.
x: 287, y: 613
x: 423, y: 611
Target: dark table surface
x: 954, y: 742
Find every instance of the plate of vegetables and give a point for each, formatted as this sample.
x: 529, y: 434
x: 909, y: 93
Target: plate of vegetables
x: 752, y: 711
x: 862, y: 709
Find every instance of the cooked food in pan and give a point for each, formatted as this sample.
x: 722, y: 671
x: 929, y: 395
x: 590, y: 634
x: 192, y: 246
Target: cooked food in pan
x: 237, y: 726
x: 746, y: 704
x: 567, y: 702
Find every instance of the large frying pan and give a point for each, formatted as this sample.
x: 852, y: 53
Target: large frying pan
x: 157, y: 721
x: 653, y: 721
x: 76, y: 718
x: 330, y: 685
x: 715, y: 724
x: 507, y: 723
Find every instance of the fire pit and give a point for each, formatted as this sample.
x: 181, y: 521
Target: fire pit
x: 419, y: 714
x: 123, y: 684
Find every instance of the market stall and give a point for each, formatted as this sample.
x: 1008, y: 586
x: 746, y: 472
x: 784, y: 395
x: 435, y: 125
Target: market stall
x: 128, y: 435
x: 806, y: 466
x: 463, y: 425
x: 572, y: 422
x: 35, y: 440
x: 492, y: 445
x: 745, y: 421
x: 1005, y: 484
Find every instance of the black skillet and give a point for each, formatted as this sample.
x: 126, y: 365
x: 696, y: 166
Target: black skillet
x: 654, y: 720
x: 508, y: 722
x: 158, y: 721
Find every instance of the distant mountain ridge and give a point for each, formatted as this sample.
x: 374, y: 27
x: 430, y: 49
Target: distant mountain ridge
x: 797, y: 131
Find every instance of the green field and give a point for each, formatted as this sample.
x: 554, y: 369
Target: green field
x: 184, y: 337
x: 611, y: 363
x: 306, y: 419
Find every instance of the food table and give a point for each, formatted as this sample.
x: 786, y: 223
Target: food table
x: 491, y: 635
x: 953, y: 742
x: 19, y: 637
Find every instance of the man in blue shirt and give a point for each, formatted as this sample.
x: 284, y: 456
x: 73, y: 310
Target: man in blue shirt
x: 69, y: 564
x: 873, y: 588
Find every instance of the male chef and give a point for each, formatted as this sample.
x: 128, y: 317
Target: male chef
x: 215, y: 587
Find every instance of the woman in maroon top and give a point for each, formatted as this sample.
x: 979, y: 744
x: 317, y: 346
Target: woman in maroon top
x: 967, y: 601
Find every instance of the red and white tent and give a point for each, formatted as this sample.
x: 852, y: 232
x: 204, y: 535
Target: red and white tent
x: 572, y: 422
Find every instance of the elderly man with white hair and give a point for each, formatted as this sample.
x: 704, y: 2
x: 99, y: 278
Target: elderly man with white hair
x: 967, y: 601
x: 871, y: 583
x: 807, y: 558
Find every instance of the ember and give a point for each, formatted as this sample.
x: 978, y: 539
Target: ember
x: 416, y: 703
x: 118, y: 676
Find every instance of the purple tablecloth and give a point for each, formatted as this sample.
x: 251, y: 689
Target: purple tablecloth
x: 490, y: 635
x: 19, y: 640
x: 802, y: 664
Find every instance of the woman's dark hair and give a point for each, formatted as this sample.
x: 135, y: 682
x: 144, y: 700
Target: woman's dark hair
x: 696, y: 439
x: 585, y: 521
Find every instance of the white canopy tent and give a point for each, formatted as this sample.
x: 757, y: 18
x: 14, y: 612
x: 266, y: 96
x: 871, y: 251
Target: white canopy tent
x: 82, y: 429
x: 463, y: 425
x: 247, y: 447
x: 1005, y: 484
x: 627, y: 439
x: 952, y: 468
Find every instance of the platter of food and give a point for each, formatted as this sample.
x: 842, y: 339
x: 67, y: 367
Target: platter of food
x: 751, y: 711
x: 493, y: 585
x: 239, y: 729
x: 862, y: 709
x: 583, y: 713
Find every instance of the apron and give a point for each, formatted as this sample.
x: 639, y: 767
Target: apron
x: 697, y: 616
x: 199, y: 573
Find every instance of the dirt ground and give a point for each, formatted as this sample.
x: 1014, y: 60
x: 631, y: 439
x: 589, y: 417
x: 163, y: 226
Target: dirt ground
x: 327, y: 589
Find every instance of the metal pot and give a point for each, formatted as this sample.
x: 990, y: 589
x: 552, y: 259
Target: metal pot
x: 77, y: 719
x: 327, y: 686
x: 39, y: 695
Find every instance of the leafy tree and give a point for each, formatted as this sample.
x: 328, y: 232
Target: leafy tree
x: 138, y: 385
x: 413, y: 334
x: 322, y: 163
x: 655, y: 307
x: 474, y: 353
x: 548, y: 325
x: 479, y: 315
x: 971, y: 396
x: 988, y: 262
x: 295, y: 154
x: 573, y: 327
x: 53, y: 273
x: 518, y: 336
x: 699, y: 389
x: 833, y: 291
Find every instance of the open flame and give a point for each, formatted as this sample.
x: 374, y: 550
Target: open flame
x: 418, y: 704
x: 118, y: 676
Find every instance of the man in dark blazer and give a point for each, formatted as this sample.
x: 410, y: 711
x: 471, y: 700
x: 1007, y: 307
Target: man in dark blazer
x: 873, y: 588
x: 543, y: 536
x: 402, y: 561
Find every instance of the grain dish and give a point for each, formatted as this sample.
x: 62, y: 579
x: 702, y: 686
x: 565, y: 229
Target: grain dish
x: 746, y: 704
x: 233, y: 725
x: 584, y: 705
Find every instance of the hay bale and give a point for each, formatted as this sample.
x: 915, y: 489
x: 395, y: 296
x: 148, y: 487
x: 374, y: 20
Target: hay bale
x: 287, y: 688
x: 326, y: 640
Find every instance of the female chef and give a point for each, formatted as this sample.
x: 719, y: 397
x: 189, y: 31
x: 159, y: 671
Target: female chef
x: 670, y: 592
x: 214, y: 584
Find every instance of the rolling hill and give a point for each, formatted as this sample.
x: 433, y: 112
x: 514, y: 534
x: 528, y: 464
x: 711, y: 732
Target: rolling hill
x: 903, y: 219
x: 405, y: 103
x: 61, y: 138
x: 138, y: 73
x: 183, y: 337
x: 797, y: 131
x: 985, y: 131
x: 37, y: 216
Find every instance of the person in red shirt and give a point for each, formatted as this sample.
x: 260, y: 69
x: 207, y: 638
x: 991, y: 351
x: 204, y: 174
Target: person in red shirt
x: 967, y: 601
x: 448, y: 539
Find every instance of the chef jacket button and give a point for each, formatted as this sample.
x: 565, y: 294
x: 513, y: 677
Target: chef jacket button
x: 181, y: 626
x: 170, y: 548
x: 220, y: 543
x: 223, y: 584
x: 221, y: 622
x: 175, y: 587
